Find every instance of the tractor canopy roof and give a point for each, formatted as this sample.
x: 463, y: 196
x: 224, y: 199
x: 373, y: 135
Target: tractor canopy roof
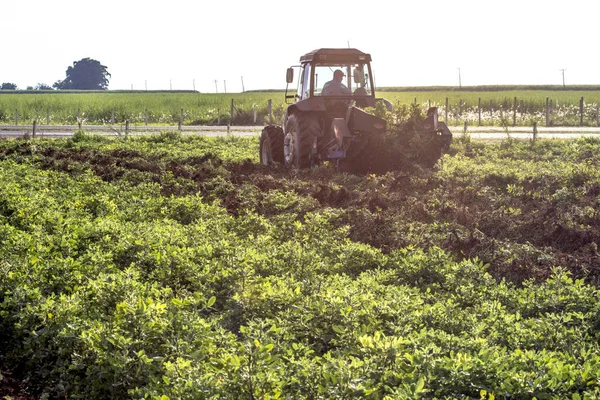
x: 336, y: 56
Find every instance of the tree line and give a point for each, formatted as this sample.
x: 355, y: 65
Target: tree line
x: 85, y: 74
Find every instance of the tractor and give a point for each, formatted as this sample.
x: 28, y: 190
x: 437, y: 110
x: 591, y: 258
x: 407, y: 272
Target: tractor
x: 326, y: 119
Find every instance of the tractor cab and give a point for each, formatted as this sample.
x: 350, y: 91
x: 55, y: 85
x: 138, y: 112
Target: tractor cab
x: 339, y: 76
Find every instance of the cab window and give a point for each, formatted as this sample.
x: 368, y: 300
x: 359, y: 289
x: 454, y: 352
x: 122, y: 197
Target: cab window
x: 304, y: 85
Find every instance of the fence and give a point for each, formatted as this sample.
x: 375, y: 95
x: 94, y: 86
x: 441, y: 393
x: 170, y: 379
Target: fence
x: 243, y: 114
x: 517, y: 114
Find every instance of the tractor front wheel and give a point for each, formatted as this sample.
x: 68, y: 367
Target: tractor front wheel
x: 271, y: 145
x: 300, y: 130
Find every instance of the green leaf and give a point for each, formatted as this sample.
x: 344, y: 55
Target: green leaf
x: 211, y: 301
x: 338, y: 329
x: 420, y: 385
x: 177, y: 302
x: 269, y: 347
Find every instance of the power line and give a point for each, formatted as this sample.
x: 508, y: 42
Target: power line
x: 563, y: 75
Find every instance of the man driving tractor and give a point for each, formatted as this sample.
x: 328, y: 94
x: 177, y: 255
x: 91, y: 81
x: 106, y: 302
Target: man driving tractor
x: 335, y: 87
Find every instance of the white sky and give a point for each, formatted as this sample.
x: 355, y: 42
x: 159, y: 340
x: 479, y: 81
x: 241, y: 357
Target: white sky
x: 421, y: 43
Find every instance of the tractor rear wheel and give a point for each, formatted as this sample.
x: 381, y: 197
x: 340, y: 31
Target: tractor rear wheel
x: 271, y: 145
x: 300, y: 130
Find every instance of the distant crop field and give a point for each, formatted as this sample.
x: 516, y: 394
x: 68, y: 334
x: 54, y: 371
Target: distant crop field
x: 159, y: 108
x: 490, y: 108
x: 498, y: 107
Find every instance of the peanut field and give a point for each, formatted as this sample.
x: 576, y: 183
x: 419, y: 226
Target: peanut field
x: 178, y: 267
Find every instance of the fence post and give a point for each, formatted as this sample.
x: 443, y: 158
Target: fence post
x: 535, y: 132
x: 446, y: 120
x: 232, y: 108
x: 515, y: 112
x: 547, y: 111
x: 581, y: 111
x: 460, y: 108
x: 79, y: 117
x: 270, y: 112
x: 181, y: 120
x: 34, y: 126
x: 219, y: 116
x: 126, y: 127
x: 254, y: 115
x: 16, y: 116
x: 479, y: 111
x: 491, y: 110
x: 112, y: 117
x: 465, y: 128
x: 47, y: 117
x: 428, y: 104
x: 146, y: 118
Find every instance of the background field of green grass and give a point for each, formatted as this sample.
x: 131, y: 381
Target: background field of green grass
x: 165, y: 108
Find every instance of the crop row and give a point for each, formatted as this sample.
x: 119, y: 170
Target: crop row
x: 176, y: 267
x: 485, y: 108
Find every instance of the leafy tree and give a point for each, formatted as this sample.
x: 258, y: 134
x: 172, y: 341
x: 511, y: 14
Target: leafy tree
x: 42, y: 86
x: 85, y: 74
x: 8, y: 86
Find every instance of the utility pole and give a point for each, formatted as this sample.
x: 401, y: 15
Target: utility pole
x: 146, y: 84
x: 216, y: 87
x: 225, y: 85
x: 563, y: 75
x: 194, y: 84
x: 243, y: 90
x: 459, y: 80
x: 170, y: 84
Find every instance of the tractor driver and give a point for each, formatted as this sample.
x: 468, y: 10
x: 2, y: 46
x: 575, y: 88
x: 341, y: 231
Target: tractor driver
x: 335, y: 87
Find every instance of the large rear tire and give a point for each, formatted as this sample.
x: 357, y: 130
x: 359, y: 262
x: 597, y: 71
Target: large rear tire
x: 271, y: 145
x: 300, y: 130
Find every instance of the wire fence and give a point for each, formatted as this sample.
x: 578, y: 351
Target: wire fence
x: 456, y: 113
